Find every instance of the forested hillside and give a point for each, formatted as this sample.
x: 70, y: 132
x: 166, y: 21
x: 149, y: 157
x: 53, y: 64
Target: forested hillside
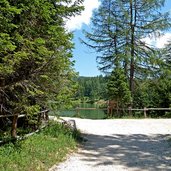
x: 154, y: 92
x: 91, y: 89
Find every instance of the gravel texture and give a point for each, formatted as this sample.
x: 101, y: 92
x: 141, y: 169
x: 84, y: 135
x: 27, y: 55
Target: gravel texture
x: 121, y: 145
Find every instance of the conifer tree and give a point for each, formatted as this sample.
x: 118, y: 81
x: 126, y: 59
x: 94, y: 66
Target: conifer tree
x: 118, y: 31
x: 35, y: 54
x: 118, y: 88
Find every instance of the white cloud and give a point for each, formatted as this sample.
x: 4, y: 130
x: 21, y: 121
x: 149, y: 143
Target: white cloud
x: 163, y: 40
x: 77, y: 21
x: 158, y: 42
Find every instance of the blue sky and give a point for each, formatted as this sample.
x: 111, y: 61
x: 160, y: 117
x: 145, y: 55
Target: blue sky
x: 85, y: 58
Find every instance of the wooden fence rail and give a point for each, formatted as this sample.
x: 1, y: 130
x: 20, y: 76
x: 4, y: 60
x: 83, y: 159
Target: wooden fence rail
x: 22, y: 115
x: 5, y: 116
x: 127, y: 109
x: 42, y: 116
x: 148, y: 109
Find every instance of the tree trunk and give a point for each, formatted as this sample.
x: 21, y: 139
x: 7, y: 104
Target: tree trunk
x: 14, y: 127
x: 117, y: 109
x: 133, y: 13
x: 132, y: 77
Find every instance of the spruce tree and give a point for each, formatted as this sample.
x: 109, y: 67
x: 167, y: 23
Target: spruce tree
x: 35, y: 54
x: 118, y: 89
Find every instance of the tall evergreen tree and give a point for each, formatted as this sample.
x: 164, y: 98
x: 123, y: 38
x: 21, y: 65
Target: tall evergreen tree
x: 166, y: 55
x: 35, y: 53
x: 118, y: 29
x: 118, y: 88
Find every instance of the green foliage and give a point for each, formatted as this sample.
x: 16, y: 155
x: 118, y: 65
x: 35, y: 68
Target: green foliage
x: 35, y: 54
x: 92, y: 88
x: 118, y: 32
x: 39, y: 152
x: 118, y: 88
x: 117, y: 35
x: 154, y: 93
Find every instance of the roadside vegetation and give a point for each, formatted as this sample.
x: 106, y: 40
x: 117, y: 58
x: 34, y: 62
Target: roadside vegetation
x: 36, y: 66
x: 40, y: 151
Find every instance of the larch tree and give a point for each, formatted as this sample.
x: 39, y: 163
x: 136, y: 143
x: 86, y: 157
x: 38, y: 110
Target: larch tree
x: 119, y: 28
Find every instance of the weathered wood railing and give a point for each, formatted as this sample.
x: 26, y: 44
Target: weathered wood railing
x: 22, y: 115
x: 145, y: 109
x: 43, y: 115
x: 148, y: 109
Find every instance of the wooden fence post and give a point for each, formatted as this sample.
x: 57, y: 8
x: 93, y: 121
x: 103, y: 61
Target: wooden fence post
x: 14, y: 126
x: 130, y: 111
x: 145, y: 112
x: 77, y: 112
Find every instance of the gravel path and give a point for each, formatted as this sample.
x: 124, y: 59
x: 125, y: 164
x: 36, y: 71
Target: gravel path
x: 122, y: 145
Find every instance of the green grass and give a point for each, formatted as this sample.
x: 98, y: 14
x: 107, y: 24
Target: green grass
x: 40, y: 151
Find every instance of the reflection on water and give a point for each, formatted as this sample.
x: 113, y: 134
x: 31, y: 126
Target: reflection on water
x: 85, y: 113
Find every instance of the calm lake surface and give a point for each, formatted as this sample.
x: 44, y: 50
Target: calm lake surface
x: 86, y: 113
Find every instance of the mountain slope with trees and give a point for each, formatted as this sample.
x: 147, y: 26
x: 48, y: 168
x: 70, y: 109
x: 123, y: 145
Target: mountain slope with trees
x: 92, y: 89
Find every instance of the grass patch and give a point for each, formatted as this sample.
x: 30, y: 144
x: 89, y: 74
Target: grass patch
x: 40, y: 151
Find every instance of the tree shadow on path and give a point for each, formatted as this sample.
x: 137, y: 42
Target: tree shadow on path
x: 134, y: 152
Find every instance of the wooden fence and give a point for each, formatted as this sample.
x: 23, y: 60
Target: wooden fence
x: 144, y: 110
x: 147, y: 109
x: 22, y: 115
x: 42, y: 118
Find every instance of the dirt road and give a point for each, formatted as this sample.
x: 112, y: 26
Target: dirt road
x: 122, y: 145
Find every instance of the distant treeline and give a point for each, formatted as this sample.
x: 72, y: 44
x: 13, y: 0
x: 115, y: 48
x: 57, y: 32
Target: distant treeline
x: 149, y: 92
x: 92, y: 89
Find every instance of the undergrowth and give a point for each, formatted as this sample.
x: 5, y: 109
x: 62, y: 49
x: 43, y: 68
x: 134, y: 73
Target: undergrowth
x: 40, y: 151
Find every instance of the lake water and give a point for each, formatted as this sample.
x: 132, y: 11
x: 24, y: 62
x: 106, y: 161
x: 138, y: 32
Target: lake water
x: 85, y: 113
